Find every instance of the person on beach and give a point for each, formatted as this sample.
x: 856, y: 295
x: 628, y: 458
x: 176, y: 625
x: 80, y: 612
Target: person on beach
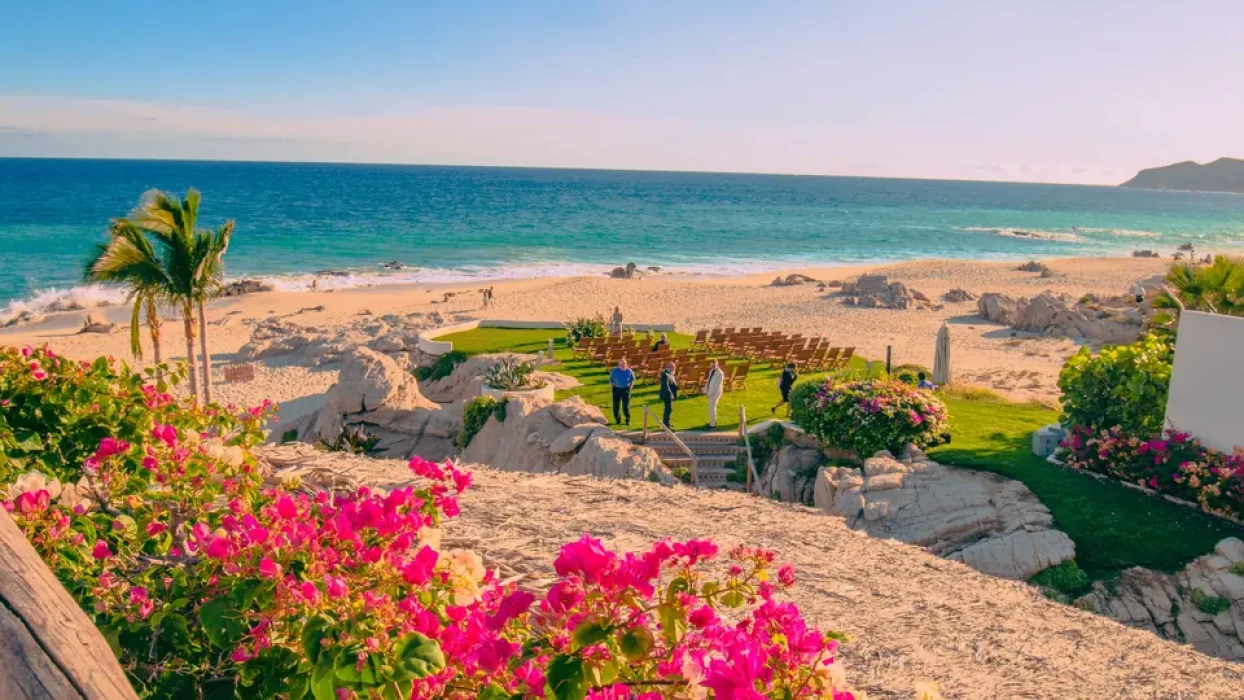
x: 622, y: 378
x: 668, y: 393
x: 712, y: 389
x: 615, y: 322
x: 789, y: 376
x: 924, y: 382
x: 662, y: 342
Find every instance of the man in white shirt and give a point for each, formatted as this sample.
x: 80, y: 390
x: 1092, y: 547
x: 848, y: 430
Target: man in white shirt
x: 712, y: 389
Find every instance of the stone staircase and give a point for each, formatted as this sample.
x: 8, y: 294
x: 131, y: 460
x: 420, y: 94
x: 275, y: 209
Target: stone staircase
x: 715, y: 455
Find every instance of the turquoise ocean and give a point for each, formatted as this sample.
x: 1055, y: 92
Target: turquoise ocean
x: 460, y: 223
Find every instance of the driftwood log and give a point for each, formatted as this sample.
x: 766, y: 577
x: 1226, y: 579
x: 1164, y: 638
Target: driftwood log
x: 49, y: 648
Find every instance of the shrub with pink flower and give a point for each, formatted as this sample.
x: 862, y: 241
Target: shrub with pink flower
x: 870, y: 415
x: 1170, y: 462
x: 208, y: 582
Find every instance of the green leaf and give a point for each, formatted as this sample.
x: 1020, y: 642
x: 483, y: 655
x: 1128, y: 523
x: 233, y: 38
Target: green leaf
x: 345, y: 667
x: 733, y: 599
x: 636, y: 643
x: 566, y: 678
x: 420, y: 655
x: 672, y: 623
x: 592, y: 630
x: 322, y: 685
x: 312, y: 637
x: 28, y: 441
x: 222, y: 623
x: 678, y: 585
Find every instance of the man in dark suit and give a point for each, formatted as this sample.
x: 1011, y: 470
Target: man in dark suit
x: 668, y: 393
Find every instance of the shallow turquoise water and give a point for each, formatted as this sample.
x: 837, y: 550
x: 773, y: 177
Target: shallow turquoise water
x: 450, y: 223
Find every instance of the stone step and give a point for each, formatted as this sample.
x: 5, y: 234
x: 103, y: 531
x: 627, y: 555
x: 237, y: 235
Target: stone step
x: 707, y: 451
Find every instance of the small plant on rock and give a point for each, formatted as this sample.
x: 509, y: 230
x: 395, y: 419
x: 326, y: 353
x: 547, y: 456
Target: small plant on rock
x: 352, y: 439
x: 441, y: 367
x: 512, y: 375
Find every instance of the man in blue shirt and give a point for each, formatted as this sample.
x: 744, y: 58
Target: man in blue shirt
x: 622, y: 378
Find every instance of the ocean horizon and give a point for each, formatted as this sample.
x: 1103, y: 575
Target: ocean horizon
x: 461, y: 223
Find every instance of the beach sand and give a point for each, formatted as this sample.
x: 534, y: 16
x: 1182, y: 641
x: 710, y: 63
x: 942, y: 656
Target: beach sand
x: 983, y: 354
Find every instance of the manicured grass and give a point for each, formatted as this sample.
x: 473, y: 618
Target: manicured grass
x: 690, y: 413
x: 1114, y: 527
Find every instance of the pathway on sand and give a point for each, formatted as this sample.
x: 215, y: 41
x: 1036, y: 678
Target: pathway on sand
x: 912, y: 615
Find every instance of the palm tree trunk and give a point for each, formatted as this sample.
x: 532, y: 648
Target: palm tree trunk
x: 153, y: 326
x: 187, y: 315
x: 207, y: 358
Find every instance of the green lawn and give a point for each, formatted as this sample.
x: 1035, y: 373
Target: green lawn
x: 1114, y: 527
x: 689, y: 414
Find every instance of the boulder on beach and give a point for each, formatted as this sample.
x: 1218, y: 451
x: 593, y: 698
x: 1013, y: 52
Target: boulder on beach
x: 958, y: 296
x: 92, y: 326
x: 995, y: 525
x: 1033, y: 266
x: 630, y: 271
x: 236, y: 289
x: 792, y: 280
x: 1145, y: 254
x: 1000, y: 308
x: 566, y: 437
x: 374, y: 393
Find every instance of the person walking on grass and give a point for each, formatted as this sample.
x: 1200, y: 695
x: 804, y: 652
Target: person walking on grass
x: 668, y: 393
x: 789, y: 376
x: 615, y: 322
x: 622, y: 378
x: 712, y: 389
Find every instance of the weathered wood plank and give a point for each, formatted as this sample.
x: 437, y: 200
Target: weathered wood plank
x: 49, y: 648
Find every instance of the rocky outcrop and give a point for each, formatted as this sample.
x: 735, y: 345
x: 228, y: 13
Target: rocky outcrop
x: 374, y: 393
x: 992, y: 524
x: 1203, y: 605
x: 958, y: 296
x: 92, y: 326
x: 1145, y: 254
x: 1000, y: 308
x: 1056, y: 315
x: 1034, y: 266
x: 567, y: 437
x: 793, y: 280
x: 630, y: 271
x: 395, y: 335
x: 1089, y: 319
x: 237, y: 289
x: 463, y: 384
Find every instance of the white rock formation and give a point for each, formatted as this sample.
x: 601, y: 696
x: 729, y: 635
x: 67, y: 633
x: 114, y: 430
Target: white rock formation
x: 992, y: 524
x: 392, y: 334
x: 1000, y: 308
x: 372, y: 391
x: 1171, y: 606
x: 567, y: 437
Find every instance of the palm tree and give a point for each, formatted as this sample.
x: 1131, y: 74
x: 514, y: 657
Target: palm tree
x: 194, y: 261
x: 129, y: 258
x: 1217, y: 288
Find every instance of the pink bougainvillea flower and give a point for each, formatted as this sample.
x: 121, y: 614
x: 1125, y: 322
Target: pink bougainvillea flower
x: 269, y: 568
x: 101, y: 550
x: 335, y: 587
x: 418, y: 570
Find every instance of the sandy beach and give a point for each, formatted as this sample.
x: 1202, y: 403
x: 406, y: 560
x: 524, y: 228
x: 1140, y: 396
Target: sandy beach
x: 984, y: 354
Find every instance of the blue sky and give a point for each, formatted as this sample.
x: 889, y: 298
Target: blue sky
x: 1084, y: 91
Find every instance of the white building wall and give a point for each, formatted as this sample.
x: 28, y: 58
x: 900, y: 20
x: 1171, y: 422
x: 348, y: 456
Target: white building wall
x: 1207, y: 382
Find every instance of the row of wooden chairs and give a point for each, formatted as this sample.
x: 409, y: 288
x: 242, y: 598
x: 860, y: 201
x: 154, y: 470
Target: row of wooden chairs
x: 774, y: 348
x: 692, y: 363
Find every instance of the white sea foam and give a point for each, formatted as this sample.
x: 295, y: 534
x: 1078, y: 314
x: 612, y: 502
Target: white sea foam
x: 1026, y: 233
x: 55, y: 299
x: 1122, y: 232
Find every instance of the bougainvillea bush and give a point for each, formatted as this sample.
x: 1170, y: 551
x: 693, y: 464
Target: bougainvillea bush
x: 207, y: 583
x: 866, y: 416
x: 1170, y: 462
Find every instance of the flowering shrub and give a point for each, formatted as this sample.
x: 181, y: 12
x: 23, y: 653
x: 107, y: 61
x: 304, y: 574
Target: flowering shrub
x: 1171, y: 462
x: 1123, y: 385
x: 869, y: 415
x: 208, y: 583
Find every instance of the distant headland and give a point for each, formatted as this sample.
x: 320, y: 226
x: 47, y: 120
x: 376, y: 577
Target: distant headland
x: 1222, y: 175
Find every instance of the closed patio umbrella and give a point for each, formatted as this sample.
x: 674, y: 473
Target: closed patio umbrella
x: 941, y: 358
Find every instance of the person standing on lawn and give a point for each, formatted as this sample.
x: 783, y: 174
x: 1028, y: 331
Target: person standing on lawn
x: 789, y: 376
x: 615, y: 322
x: 622, y: 378
x: 712, y: 389
x: 668, y: 393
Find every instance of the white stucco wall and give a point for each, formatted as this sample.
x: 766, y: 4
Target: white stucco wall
x: 1207, y: 383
